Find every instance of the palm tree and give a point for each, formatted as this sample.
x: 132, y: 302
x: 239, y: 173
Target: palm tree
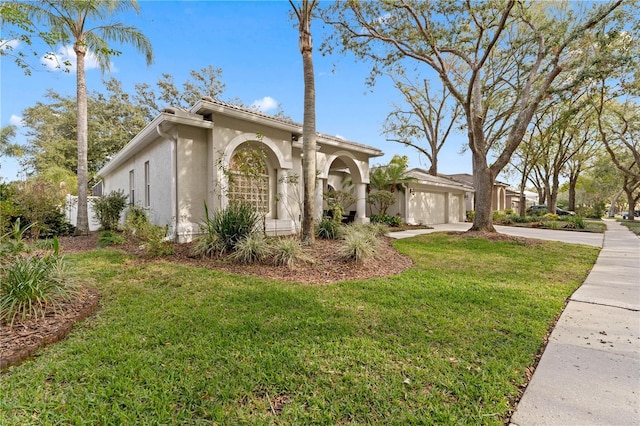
x: 303, y: 13
x: 70, y: 20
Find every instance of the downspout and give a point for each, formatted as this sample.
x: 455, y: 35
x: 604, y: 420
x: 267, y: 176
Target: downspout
x: 174, y: 179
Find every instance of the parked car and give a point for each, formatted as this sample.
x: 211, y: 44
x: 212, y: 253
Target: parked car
x: 541, y: 209
x: 625, y: 215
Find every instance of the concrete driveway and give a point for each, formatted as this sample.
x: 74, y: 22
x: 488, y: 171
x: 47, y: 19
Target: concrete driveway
x: 586, y: 238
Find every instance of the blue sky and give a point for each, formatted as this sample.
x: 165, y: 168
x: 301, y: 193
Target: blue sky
x: 256, y: 46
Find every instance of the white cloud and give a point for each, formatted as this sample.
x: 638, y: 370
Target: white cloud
x: 9, y: 44
x: 265, y: 104
x: 14, y: 120
x: 58, y: 61
x: 341, y: 137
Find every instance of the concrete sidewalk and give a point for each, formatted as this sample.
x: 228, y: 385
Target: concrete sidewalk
x: 589, y: 373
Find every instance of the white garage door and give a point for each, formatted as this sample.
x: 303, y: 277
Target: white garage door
x: 427, y: 207
x: 455, y: 201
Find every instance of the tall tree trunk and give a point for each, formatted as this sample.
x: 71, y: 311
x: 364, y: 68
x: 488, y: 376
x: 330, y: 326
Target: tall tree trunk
x: 82, y: 221
x: 309, y: 125
x: 573, y: 181
x: 483, y: 183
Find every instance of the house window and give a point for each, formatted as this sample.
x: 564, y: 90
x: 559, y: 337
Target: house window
x: 249, y: 178
x: 132, y: 197
x: 147, y: 185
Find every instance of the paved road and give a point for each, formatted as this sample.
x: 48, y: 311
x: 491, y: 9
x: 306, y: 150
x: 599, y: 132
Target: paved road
x: 589, y: 373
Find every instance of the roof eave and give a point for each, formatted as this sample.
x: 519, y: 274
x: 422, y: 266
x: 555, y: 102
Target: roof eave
x: 147, y: 136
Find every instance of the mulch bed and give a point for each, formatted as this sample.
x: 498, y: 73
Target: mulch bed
x: 25, y: 337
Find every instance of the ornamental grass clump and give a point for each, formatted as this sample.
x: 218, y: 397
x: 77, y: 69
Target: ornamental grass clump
x: 286, y: 252
x: 329, y: 229
x: 252, y: 248
x: 31, y: 283
x: 359, y: 245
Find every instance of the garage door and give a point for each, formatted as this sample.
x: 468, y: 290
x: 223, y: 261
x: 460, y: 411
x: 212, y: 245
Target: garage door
x: 455, y: 201
x: 427, y: 207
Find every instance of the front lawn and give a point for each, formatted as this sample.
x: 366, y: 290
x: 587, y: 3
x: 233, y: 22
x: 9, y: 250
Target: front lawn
x: 448, y: 341
x: 633, y: 225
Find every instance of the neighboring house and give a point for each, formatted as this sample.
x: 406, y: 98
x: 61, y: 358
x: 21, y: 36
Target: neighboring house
x: 430, y: 200
x: 498, y: 196
x: 513, y: 199
x: 183, y: 159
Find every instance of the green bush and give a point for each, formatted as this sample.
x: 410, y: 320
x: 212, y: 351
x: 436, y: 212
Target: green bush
x: 329, y: 229
x: 552, y: 224
x: 108, y: 208
x: 30, y: 284
x: 508, y: 212
x: 226, y: 227
x: 393, y: 221
x: 359, y: 245
x: 153, y: 237
x: 108, y: 238
x: 286, y: 252
x: 252, y: 248
x: 574, y: 222
x: 498, y: 216
x: 516, y: 218
x: 136, y: 220
x: 12, y: 243
x: 551, y: 216
x: 40, y: 202
x: 470, y: 215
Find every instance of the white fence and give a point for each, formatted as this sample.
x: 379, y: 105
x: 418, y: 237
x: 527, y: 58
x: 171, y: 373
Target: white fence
x: 71, y: 211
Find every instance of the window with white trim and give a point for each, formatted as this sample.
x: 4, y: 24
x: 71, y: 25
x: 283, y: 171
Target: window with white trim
x: 132, y: 192
x: 147, y: 185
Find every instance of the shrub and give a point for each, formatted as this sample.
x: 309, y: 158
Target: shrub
x: 552, y: 225
x: 551, y: 216
x: 252, y: 248
x: 393, y: 221
x: 516, y: 218
x: 155, y: 242
x: 39, y: 202
x: 286, y: 252
x: 153, y: 237
x: 498, y: 216
x: 378, y: 229
x: 235, y: 223
x: 108, y: 238
x: 329, y: 229
x: 381, y: 200
x: 359, y: 245
x: 136, y: 220
x: 12, y: 243
x: 108, y: 208
x: 228, y: 226
x: 207, y: 244
x: 508, y: 212
x: 30, y: 284
x: 575, y: 222
x: 470, y: 215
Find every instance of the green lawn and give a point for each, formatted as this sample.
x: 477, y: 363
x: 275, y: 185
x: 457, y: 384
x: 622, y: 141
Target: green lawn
x: 448, y: 341
x: 634, y: 226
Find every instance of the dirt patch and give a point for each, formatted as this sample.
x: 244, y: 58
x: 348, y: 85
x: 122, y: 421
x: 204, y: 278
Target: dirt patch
x: 496, y: 236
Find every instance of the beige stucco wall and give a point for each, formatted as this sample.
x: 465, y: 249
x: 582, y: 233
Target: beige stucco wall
x: 159, y: 157
x: 192, y: 179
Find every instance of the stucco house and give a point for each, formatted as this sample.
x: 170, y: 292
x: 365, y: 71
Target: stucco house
x: 183, y: 159
x: 431, y: 200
